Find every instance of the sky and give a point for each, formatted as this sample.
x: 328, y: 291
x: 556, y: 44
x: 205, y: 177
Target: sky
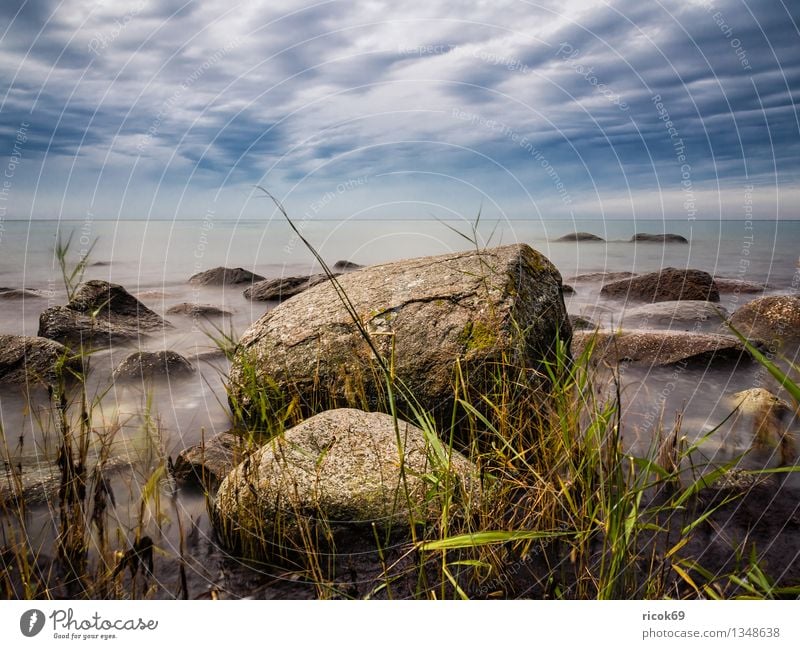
x: 165, y: 109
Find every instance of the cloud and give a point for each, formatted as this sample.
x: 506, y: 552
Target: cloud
x: 223, y: 94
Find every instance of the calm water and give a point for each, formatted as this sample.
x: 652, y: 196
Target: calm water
x: 153, y: 260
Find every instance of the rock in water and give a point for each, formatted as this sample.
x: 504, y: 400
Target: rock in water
x: 282, y: 288
x: 344, y: 265
x: 727, y: 285
x: 35, y: 479
x: 20, y: 294
x: 772, y: 318
x: 334, y: 475
x: 643, y: 237
x: 664, y: 285
x: 152, y: 365
x: 496, y: 308
x: 28, y: 359
x: 648, y: 347
x: 99, y: 312
x: 757, y: 400
x: 207, y: 465
x: 769, y: 419
x: 580, y: 236
x: 602, y: 276
x: 197, y: 310
x: 579, y: 322
x: 678, y: 314
x: 221, y: 276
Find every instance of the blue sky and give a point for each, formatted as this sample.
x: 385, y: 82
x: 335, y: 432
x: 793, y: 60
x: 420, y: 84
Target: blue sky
x: 565, y: 109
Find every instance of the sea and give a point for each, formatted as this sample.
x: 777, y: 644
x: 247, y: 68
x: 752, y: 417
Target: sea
x: 155, y: 259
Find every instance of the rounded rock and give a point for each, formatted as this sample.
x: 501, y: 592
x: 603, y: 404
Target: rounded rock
x: 335, y: 474
x: 484, y: 310
x: 665, y: 285
x: 153, y: 365
x: 771, y: 318
x: 221, y: 276
x: 580, y: 236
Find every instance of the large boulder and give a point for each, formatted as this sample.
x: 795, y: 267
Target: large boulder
x: 664, y: 285
x: 99, y: 312
x: 283, y: 288
x: 335, y: 475
x: 771, y: 318
x: 644, y: 237
x: 654, y: 348
x: 675, y: 314
x: 31, y: 360
x: 580, y: 236
x: 485, y: 310
x: 221, y: 276
x: 152, y: 365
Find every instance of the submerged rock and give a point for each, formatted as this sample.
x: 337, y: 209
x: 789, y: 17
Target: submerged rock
x: 221, y: 276
x: 35, y: 479
x: 768, y: 419
x: 602, y: 276
x: 665, y: 285
x: 502, y: 305
x: 207, y: 465
x: 344, y: 265
x: 20, y: 294
x: 580, y: 236
x: 212, y: 355
x: 197, y: 310
x: 283, y: 288
x: 771, y: 318
x: 648, y: 347
x: 726, y: 285
x: 759, y: 400
x: 579, y: 322
x: 29, y: 359
x: 674, y: 314
x: 153, y: 294
x: 153, y: 365
x: 658, y: 238
x: 334, y: 475
x: 99, y: 312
